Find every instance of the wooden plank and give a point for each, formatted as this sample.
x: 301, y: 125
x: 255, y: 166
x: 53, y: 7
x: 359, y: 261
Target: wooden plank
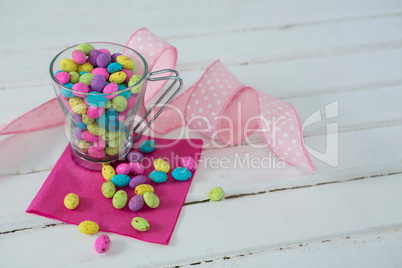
x: 377, y: 249
x: 225, y: 168
x: 228, y: 228
x: 316, y: 40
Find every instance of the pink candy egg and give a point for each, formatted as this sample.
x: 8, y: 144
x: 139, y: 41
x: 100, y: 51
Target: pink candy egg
x: 79, y: 57
x: 102, y: 71
x: 99, y: 144
x: 102, y: 244
x: 94, y: 112
x: 111, y: 88
x: 130, y: 102
x: 81, y: 87
x: 63, y: 77
x: 122, y: 116
x: 123, y: 169
x: 188, y: 162
x: 88, y: 136
x: 104, y: 50
x: 137, y: 168
x: 129, y: 74
x: 92, y: 151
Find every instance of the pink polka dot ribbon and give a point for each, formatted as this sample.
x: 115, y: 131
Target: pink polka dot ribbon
x: 218, y: 105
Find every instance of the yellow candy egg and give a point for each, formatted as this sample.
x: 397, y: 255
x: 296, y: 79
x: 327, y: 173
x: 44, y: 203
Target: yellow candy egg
x: 71, y: 201
x: 78, y: 105
x: 117, y: 77
x: 125, y: 61
x: 68, y: 65
x: 143, y: 188
x: 108, y: 172
x: 161, y: 165
x: 88, y: 227
x: 87, y: 67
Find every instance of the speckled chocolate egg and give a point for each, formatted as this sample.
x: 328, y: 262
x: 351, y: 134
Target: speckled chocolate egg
x: 71, y: 201
x: 188, y: 162
x: 108, y: 172
x: 88, y: 227
x: 120, y: 199
x: 143, y: 188
x: 108, y: 189
x: 119, y: 103
x: 135, y: 156
x: 103, y: 60
x: 158, y: 176
x: 123, y: 168
x: 216, y: 194
x: 102, y: 243
x: 98, y: 83
x: 121, y: 180
x: 151, y: 199
x: 136, y: 203
x: 137, y: 180
x: 137, y: 168
x: 161, y: 165
x: 148, y: 146
x: 140, y: 224
x: 181, y: 174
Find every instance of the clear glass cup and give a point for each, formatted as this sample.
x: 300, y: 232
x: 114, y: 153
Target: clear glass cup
x: 99, y: 127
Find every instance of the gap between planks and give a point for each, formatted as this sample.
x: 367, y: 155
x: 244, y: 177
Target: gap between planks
x: 228, y: 197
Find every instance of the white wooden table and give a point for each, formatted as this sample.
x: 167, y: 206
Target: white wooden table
x: 310, y: 53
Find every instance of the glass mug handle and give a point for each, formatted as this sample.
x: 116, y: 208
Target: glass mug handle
x: 175, y: 79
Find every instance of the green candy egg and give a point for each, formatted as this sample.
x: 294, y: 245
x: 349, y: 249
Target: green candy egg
x: 108, y: 189
x: 86, y: 78
x: 216, y: 194
x: 87, y: 120
x: 108, y: 104
x: 74, y: 76
x: 86, y: 48
x: 140, y: 224
x: 120, y: 199
x: 119, y: 103
x: 134, y: 80
x: 111, y: 150
x: 151, y: 199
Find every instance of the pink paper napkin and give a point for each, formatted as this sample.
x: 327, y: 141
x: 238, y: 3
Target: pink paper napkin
x: 69, y: 177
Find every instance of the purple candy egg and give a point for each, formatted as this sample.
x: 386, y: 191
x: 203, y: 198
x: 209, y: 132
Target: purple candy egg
x: 77, y: 118
x: 136, y: 203
x: 103, y: 60
x: 135, y: 156
x: 114, y: 56
x: 98, y: 83
x: 93, y: 55
x: 137, y: 180
x: 78, y: 133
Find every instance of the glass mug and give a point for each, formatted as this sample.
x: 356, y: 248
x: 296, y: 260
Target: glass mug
x: 108, y: 130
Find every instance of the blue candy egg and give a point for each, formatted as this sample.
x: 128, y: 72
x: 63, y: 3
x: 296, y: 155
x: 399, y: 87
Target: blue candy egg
x: 96, y: 99
x: 67, y: 93
x: 112, y: 113
x: 158, y: 176
x: 121, y: 180
x: 102, y: 121
x: 81, y: 125
x: 83, y: 72
x: 114, y: 67
x: 181, y: 174
x: 148, y: 146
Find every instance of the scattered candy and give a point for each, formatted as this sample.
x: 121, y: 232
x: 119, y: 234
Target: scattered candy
x: 161, y: 165
x: 158, y: 176
x: 143, y: 188
x: 71, y: 201
x: 140, y: 224
x: 148, y: 146
x: 123, y: 169
x: 181, y: 174
x: 108, y: 189
x: 136, y: 203
x: 137, y: 168
x: 88, y: 227
x: 216, y: 194
x: 108, y: 172
x: 137, y: 180
x: 189, y: 163
x: 102, y: 243
x: 120, y: 199
x: 135, y: 156
x: 121, y: 180
x: 151, y: 199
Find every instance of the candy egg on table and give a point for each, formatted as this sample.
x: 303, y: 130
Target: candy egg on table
x: 158, y: 176
x: 108, y: 189
x: 137, y: 168
x: 136, y: 203
x: 123, y: 169
x: 121, y: 180
x: 151, y: 199
x: 181, y: 174
x: 161, y: 165
x: 137, y: 180
x: 189, y: 163
x: 216, y: 194
x: 148, y: 146
x: 108, y: 172
x: 120, y: 199
x: 140, y: 224
x: 71, y: 201
x: 143, y: 188
x: 102, y: 243
x: 88, y: 227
